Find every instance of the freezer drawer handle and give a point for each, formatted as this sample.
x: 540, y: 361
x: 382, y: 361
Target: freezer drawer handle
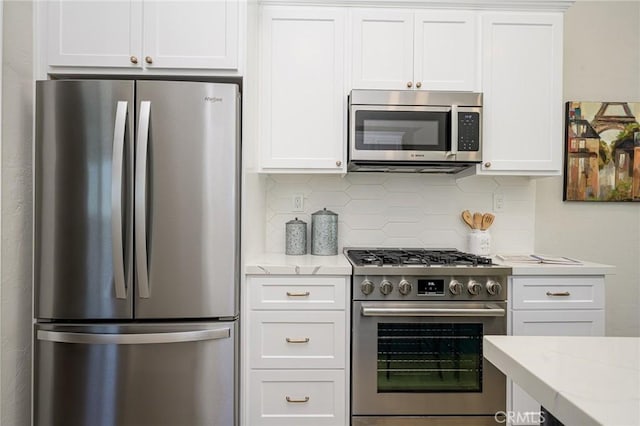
x: 301, y: 294
x: 141, y: 199
x: 133, y: 339
x: 116, y: 200
x: 489, y: 311
x: 304, y: 340
x: 297, y: 400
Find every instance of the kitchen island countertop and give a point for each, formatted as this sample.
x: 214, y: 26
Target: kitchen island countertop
x: 281, y: 264
x: 580, y: 380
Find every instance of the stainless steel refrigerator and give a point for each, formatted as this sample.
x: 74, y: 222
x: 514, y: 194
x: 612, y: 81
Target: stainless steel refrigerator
x: 136, y: 257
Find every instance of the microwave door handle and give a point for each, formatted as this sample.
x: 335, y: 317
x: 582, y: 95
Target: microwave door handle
x: 454, y: 131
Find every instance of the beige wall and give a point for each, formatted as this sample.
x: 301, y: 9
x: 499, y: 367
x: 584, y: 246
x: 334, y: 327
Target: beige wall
x: 601, y: 62
x: 17, y: 104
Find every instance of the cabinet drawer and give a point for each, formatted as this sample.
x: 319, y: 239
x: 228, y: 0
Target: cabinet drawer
x: 577, y: 292
x: 297, y: 398
x: 297, y: 339
x: 298, y: 292
x: 558, y: 323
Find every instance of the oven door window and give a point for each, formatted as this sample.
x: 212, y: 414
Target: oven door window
x: 402, y: 130
x: 422, y: 357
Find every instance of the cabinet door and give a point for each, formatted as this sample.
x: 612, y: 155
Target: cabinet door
x: 522, y: 84
x: 302, y: 102
x: 549, y: 323
x: 191, y: 34
x: 95, y: 33
x: 446, y: 50
x: 382, y: 49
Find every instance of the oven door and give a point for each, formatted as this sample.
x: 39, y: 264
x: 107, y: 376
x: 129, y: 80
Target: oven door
x: 400, y: 133
x: 425, y: 359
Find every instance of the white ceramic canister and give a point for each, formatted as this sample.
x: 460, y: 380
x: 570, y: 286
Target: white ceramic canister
x: 296, y: 237
x: 479, y: 242
x: 324, y: 233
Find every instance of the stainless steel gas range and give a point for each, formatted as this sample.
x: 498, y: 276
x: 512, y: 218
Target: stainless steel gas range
x: 418, y: 318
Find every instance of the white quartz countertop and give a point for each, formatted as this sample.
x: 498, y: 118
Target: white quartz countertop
x: 583, y: 268
x: 580, y: 380
x: 280, y: 264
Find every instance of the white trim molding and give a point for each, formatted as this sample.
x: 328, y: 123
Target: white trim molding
x: 510, y: 5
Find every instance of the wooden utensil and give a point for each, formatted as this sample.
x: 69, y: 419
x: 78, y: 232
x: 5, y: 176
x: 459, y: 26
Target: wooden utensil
x: 487, y: 221
x: 468, y: 219
x: 477, y: 220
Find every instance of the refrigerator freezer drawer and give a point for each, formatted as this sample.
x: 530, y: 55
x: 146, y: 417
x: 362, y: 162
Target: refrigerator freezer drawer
x: 126, y: 375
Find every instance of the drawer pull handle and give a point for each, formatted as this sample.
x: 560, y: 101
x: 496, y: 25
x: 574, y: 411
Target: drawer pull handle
x: 294, y: 400
x: 302, y: 294
x: 290, y: 340
x: 563, y: 293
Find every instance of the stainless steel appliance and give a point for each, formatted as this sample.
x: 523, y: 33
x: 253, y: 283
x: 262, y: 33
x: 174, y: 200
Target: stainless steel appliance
x: 418, y: 318
x: 414, y: 131
x: 136, y: 260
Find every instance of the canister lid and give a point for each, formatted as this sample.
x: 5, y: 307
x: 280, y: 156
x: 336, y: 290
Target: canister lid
x: 296, y: 222
x: 325, y: 212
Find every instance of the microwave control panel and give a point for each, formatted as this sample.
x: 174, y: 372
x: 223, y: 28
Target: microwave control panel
x: 468, y: 131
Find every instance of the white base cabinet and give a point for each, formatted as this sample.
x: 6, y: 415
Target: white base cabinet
x: 297, y: 398
x: 552, y: 306
x: 296, y: 351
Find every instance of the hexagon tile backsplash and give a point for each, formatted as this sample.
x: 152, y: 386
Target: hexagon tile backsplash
x: 398, y: 210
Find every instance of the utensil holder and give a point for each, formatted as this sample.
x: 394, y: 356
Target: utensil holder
x: 479, y: 242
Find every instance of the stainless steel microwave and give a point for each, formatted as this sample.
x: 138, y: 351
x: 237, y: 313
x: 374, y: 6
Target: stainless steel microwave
x: 414, y: 131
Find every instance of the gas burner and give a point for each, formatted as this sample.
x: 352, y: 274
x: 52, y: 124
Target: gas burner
x: 414, y: 258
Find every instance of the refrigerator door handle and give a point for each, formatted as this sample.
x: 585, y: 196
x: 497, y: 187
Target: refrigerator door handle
x: 141, y: 199
x: 116, y: 200
x: 133, y: 339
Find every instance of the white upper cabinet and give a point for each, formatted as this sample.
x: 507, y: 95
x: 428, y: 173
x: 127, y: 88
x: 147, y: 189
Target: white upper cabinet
x: 382, y: 48
x: 100, y: 33
x: 522, y: 85
x: 446, y: 50
x: 191, y: 34
x: 302, y: 96
x: 424, y: 49
x: 143, y: 34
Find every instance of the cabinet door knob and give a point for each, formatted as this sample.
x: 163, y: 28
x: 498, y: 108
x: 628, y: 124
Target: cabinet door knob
x: 148, y: 59
x: 487, y: 164
x: 338, y: 163
x: 419, y: 84
x: 133, y: 59
x: 409, y: 84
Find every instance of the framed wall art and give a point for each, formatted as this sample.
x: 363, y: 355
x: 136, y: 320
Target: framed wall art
x: 602, y: 151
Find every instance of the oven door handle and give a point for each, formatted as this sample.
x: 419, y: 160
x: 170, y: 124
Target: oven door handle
x: 377, y: 311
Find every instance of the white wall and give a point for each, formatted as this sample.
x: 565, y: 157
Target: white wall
x: 404, y: 210
x: 17, y: 122
x: 601, y: 62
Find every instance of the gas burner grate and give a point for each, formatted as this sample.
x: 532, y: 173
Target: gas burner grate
x: 415, y: 257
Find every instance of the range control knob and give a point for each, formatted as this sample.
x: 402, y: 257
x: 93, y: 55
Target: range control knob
x: 474, y: 287
x: 366, y: 287
x: 493, y: 287
x: 386, y: 287
x: 404, y: 287
x: 455, y: 287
